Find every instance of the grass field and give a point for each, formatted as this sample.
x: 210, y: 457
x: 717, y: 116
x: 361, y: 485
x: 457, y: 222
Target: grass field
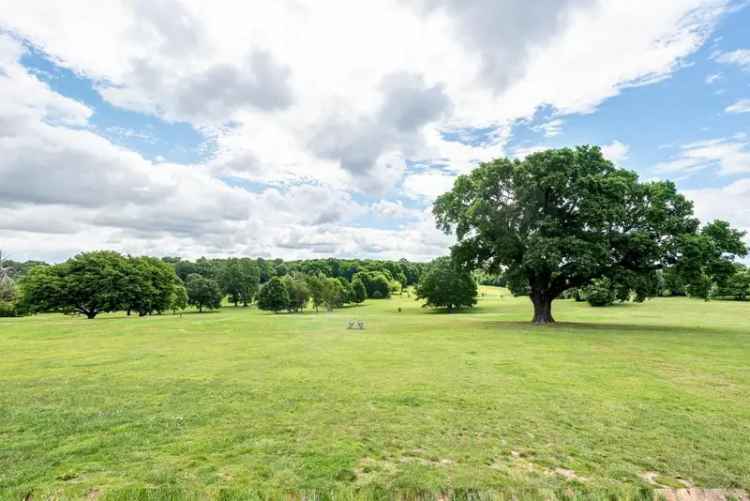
x: 613, y: 401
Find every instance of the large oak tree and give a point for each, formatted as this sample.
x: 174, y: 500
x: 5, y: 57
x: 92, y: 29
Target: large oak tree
x: 561, y: 218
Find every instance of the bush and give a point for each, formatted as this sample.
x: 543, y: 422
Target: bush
x: 298, y: 292
x: 445, y: 285
x: 359, y: 292
x: 600, y: 293
x: 375, y: 282
x: 273, y: 296
x: 8, y: 309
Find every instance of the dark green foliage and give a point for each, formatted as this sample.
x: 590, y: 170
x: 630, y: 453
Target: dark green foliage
x: 561, y: 218
x: 89, y: 283
x: 494, y: 279
x: 102, y: 281
x: 273, y: 296
x: 299, y: 292
x: 179, y: 298
x: 359, y: 292
x: 346, y: 289
x: 446, y: 286
x: 148, y: 285
x: 377, y: 283
x: 315, y: 286
x: 707, y: 258
x: 736, y: 286
x: 672, y: 283
x: 601, y: 292
x: 203, y: 292
x: 239, y: 280
x: 334, y: 293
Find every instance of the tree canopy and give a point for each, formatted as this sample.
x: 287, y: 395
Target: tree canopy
x: 239, y: 280
x: 444, y: 285
x: 273, y: 296
x: 203, y: 292
x: 561, y: 218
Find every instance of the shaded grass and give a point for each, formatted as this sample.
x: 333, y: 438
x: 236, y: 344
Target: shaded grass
x: 242, y: 403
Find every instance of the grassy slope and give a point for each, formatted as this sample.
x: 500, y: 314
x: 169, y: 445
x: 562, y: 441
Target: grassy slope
x: 242, y: 398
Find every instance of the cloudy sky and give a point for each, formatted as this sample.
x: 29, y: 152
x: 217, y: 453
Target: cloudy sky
x: 315, y: 128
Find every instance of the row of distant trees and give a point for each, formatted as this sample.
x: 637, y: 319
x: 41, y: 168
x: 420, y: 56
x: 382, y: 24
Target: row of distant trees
x: 104, y: 281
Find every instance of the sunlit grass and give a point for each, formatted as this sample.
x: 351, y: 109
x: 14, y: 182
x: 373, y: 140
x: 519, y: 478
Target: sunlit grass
x: 242, y: 403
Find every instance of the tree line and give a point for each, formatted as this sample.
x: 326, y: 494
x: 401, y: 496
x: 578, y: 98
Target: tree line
x: 105, y: 281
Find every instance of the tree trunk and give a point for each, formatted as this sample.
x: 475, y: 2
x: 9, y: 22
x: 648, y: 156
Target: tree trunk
x: 542, y: 307
x: 91, y: 314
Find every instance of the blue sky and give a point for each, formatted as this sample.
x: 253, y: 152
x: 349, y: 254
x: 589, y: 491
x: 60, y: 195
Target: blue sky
x: 167, y: 128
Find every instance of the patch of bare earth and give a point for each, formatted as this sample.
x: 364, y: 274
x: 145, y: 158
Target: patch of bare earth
x: 690, y: 492
x: 698, y: 494
x: 520, y: 463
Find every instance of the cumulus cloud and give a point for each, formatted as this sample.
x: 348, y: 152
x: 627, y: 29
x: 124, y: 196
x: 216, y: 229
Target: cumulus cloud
x: 428, y: 185
x: 361, y: 143
x: 211, y: 95
x: 332, y: 109
x: 615, y: 151
x: 504, y: 34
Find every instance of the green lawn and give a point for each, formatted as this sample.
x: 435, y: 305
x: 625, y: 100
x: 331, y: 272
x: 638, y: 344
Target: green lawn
x: 615, y: 400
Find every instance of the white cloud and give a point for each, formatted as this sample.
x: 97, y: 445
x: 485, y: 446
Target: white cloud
x: 729, y: 203
x: 348, y: 100
x: 551, y: 128
x: 713, y: 78
x: 428, y: 185
x: 524, y: 151
x: 741, y: 106
x: 394, y: 210
x: 729, y: 156
x: 739, y: 57
x: 615, y: 151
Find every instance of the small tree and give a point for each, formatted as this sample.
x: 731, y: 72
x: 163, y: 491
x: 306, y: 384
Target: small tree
x: 148, y: 285
x: 239, y: 280
x: 273, y: 296
x: 316, y: 286
x: 446, y: 286
x: 179, y: 298
x: 203, y: 292
x: 346, y: 289
x: 359, y: 293
x: 299, y: 293
x: 707, y: 258
x: 737, y: 286
x: 8, y: 292
x: 376, y: 282
x: 334, y: 293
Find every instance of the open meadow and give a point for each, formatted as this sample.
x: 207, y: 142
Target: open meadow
x: 239, y: 402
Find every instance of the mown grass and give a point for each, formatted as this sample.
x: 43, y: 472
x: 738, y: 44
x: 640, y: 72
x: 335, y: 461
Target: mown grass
x: 242, y: 404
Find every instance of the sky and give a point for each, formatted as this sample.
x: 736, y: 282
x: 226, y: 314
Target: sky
x: 303, y: 129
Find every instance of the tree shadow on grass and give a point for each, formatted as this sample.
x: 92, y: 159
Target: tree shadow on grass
x: 445, y: 311
x: 602, y: 328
